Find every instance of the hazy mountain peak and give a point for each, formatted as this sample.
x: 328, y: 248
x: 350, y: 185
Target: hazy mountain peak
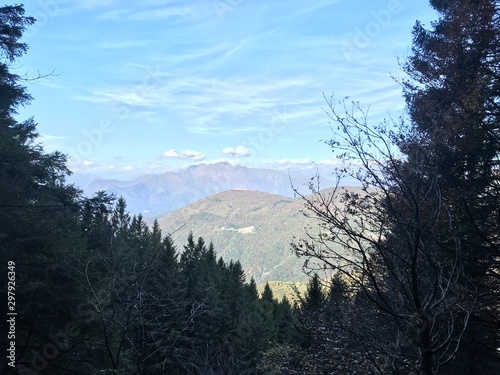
x: 153, y: 194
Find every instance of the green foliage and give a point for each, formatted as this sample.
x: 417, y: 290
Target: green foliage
x: 315, y: 296
x: 288, y: 289
x: 337, y: 292
x: 281, y: 360
x: 160, y: 315
x: 267, y: 294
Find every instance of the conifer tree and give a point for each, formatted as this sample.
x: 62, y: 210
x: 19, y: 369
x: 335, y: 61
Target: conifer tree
x: 267, y: 293
x: 453, y: 98
x: 314, y: 296
x: 38, y: 216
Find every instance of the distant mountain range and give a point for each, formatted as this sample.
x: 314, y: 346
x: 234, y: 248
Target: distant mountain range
x: 156, y: 194
x: 253, y: 227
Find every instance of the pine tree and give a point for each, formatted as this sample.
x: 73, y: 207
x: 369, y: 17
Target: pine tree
x: 315, y: 296
x: 267, y: 293
x: 453, y: 101
x: 337, y: 290
x: 38, y: 216
x: 288, y: 324
x: 252, y: 292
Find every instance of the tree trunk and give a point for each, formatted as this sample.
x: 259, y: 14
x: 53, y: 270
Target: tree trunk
x: 425, y: 342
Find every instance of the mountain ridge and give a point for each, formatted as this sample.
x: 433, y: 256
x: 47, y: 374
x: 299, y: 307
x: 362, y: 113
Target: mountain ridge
x: 152, y: 194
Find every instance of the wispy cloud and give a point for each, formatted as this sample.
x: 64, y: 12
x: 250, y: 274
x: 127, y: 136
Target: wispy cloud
x: 123, y: 44
x: 48, y: 137
x: 249, y: 81
x: 51, y: 142
x: 161, y: 13
x: 312, y: 7
x: 153, y: 14
x: 206, y: 101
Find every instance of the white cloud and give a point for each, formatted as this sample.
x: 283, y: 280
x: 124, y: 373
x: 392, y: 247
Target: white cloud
x: 324, y: 166
x: 171, y: 153
x: 113, y: 14
x: 51, y: 140
x: 205, y: 102
x: 186, y: 154
x: 239, y: 151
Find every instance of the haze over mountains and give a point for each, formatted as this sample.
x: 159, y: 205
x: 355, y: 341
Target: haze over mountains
x: 153, y: 195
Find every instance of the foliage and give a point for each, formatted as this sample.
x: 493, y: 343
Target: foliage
x: 462, y: 145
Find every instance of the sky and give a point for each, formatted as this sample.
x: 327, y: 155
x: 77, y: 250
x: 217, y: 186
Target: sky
x: 135, y: 87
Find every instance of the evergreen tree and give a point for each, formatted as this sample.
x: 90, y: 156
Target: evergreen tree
x: 314, y: 296
x: 267, y: 293
x: 38, y: 218
x: 453, y: 101
x: 422, y: 235
x: 287, y: 323
x: 252, y: 292
x: 337, y: 290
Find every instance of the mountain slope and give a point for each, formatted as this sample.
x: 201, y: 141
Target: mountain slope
x: 253, y: 227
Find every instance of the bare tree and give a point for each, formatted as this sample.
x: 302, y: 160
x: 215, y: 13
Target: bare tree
x: 393, y: 239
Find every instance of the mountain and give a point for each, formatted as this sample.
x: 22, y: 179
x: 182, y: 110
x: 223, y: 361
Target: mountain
x: 155, y: 194
x: 253, y: 227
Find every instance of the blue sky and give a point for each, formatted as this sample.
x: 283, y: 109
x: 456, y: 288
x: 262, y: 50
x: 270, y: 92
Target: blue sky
x: 155, y: 85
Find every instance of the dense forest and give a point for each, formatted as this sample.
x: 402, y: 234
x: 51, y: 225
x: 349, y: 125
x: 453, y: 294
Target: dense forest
x: 89, y: 289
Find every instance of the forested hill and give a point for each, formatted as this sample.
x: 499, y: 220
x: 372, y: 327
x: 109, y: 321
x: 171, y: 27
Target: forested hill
x: 250, y: 226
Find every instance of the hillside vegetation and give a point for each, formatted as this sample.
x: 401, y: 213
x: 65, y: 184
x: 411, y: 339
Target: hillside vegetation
x: 248, y: 226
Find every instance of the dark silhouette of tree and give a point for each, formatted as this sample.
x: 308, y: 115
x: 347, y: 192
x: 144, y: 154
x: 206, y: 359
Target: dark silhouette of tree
x: 314, y: 295
x: 391, y: 251
x: 267, y: 294
x: 38, y: 211
x: 453, y: 102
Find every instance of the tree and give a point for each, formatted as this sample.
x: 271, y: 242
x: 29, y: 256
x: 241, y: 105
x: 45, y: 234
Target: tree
x: 337, y: 291
x: 454, y: 104
x: 390, y: 252
x: 314, y: 296
x: 38, y: 215
x: 267, y: 294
